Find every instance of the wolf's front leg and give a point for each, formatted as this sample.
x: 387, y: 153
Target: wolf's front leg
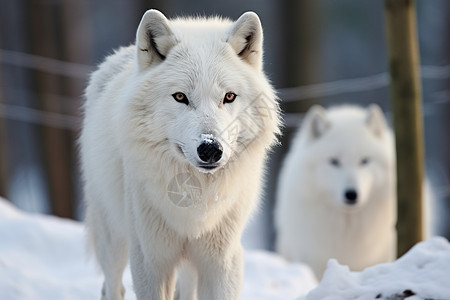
x: 153, y: 271
x: 220, y: 276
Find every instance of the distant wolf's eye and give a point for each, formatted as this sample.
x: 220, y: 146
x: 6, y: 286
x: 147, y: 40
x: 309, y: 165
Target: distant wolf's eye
x: 180, y: 97
x: 364, y: 161
x: 229, y: 97
x: 335, y: 162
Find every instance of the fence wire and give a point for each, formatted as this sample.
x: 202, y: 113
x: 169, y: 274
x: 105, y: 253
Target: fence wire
x: 81, y: 71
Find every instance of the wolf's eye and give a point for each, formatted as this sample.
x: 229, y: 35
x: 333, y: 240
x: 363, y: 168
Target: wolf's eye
x: 364, y: 161
x: 229, y: 97
x: 180, y: 97
x: 335, y: 162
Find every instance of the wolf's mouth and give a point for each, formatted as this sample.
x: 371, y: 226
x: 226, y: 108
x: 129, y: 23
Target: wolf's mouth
x: 208, y: 167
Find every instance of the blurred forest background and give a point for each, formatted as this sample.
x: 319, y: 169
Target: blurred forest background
x: 316, y: 51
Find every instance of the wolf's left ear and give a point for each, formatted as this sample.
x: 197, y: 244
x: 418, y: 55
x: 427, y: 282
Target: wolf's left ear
x: 316, y: 122
x: 246, y: 38
x: 154, y: 39
x: 375, y: 120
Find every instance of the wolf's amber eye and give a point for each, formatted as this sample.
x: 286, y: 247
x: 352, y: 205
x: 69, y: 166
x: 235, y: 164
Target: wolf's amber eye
x: 180, y: 97
x: 335, y: 162
x: 229, y: 97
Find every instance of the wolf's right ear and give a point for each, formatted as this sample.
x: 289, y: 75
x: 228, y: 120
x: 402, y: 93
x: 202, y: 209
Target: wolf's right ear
x: 316, y: 122
x: 154, y: 39
x: 246, y: 38
x: 376, y: 121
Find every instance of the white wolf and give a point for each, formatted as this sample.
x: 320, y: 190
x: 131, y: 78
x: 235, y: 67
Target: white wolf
x: 336, y: 192
x: 174, y: 139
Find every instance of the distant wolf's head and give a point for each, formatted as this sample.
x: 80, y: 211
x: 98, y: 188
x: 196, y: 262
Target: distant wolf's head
x: 199, y: 92
x: 350, y: 153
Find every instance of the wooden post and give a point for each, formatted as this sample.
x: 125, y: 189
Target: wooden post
x: 406, y: 104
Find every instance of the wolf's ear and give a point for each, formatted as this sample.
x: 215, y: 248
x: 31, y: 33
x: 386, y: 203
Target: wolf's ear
x: 316, y: 122
x: 246, y: 38
x: 154, y: 39
x: 375, y: 120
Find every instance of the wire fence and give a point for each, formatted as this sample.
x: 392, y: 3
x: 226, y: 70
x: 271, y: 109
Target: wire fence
x: 353, y: 85
x: 305, y: 92
x: 39, y: 117
x: 44, y: 64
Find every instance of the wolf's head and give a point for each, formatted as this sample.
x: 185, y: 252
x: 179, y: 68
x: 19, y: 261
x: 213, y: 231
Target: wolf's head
x: 350, y: 153
x: 199, y: 93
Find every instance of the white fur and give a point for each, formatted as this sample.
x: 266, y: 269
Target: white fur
x: 313, y: 220
x: 136, y: 139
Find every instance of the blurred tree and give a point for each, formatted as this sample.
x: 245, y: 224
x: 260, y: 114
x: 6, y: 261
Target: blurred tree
x: 302, y: 39
x: 76, y: 47
x: 301, y: 28
x: 44, y: 30
x: 406, y: 99
x: 3, y: 160
x: 446, y: 194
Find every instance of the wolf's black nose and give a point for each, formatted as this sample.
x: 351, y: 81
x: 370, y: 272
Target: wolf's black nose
x: 351, y: 196
x: 210, y: 151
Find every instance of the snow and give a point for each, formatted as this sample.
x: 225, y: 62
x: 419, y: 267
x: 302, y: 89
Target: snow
x: 207, y: 138
x: 422, y: 273
x: 44, y: 257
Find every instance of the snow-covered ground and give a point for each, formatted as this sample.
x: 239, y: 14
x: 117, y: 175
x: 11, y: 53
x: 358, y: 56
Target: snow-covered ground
x: 44, y: 258
x: 421, y: 274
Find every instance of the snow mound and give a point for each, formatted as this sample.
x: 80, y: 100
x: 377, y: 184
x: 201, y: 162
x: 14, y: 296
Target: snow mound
x: 44, y: 257
x: 421, y: 274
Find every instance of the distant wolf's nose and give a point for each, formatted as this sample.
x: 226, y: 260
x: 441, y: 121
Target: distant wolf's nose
x: 210, y: 151
x: 351, y: 196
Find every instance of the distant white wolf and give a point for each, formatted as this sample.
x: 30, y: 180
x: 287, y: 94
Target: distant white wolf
x: 336, y: 193
x: 174, y: 140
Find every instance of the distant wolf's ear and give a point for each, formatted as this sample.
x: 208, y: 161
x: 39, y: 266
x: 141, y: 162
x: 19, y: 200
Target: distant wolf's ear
x: 246, y: 38
x: 154, y: 39
x: 375, y: 120
x: 316, y: 122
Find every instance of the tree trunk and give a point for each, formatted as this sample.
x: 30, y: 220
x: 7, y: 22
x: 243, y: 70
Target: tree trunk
x: 406, y: 103
x: 301, y: 42
x: 44, y: 41
x: 3, y: 160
